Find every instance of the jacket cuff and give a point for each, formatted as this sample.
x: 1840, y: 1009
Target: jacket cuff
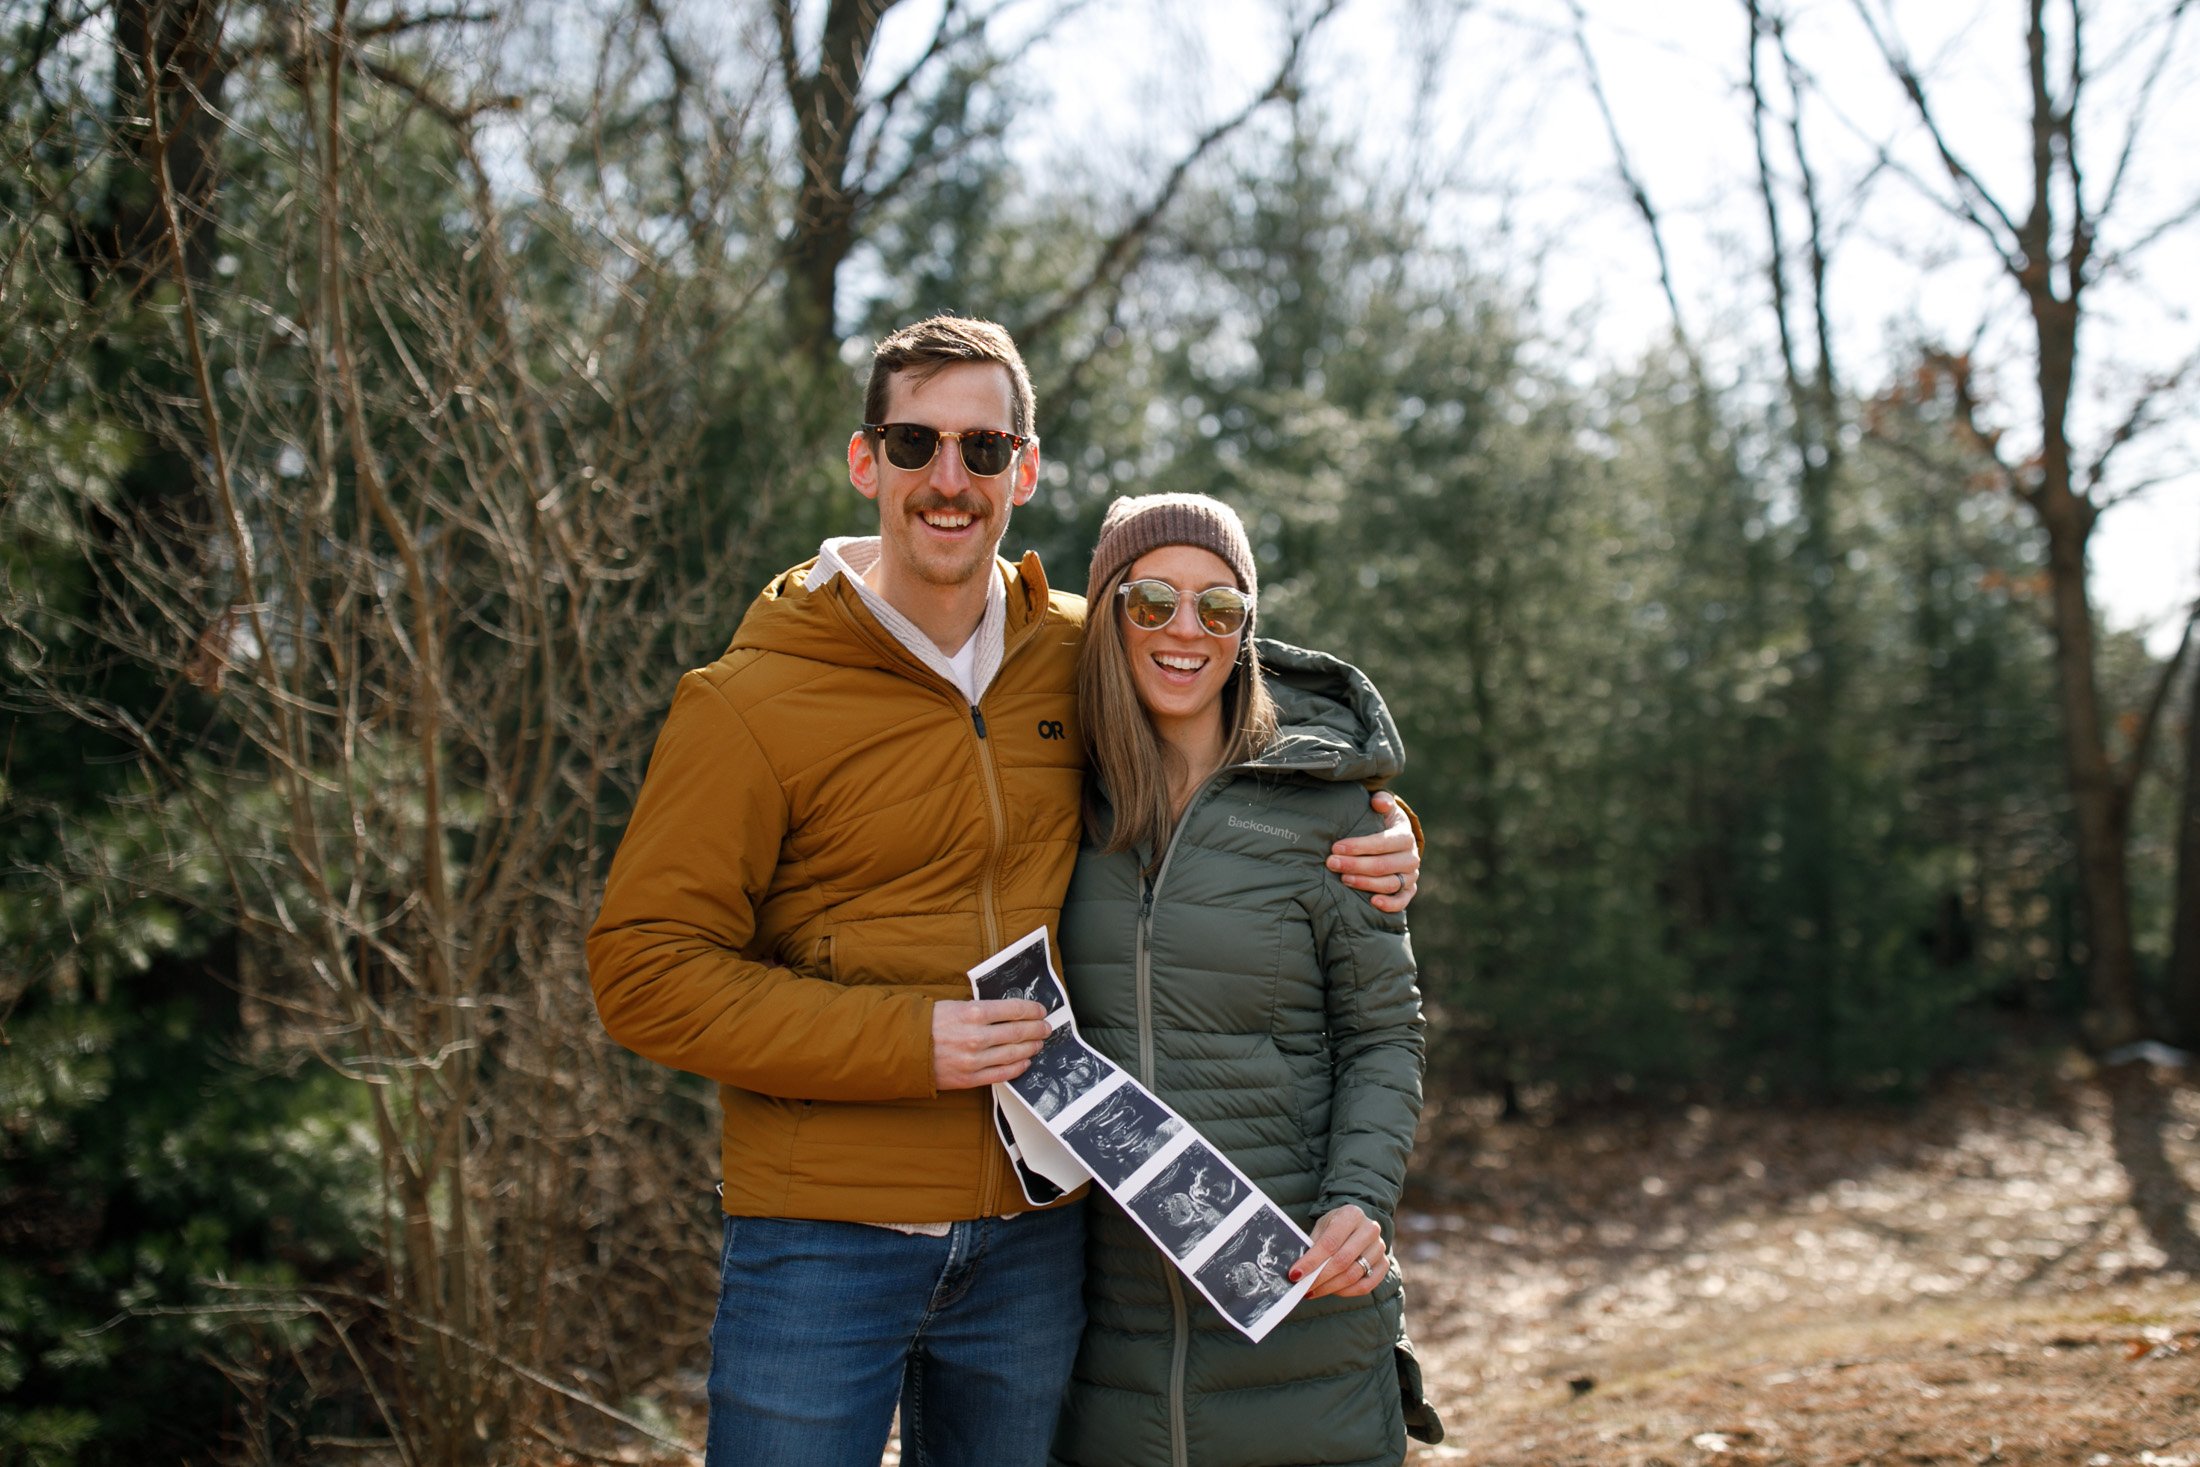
x: 1379, y: 1216
x: 920, y: 1046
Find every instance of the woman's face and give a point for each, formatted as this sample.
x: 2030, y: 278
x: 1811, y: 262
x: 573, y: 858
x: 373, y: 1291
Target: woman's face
x: 1179, y: 669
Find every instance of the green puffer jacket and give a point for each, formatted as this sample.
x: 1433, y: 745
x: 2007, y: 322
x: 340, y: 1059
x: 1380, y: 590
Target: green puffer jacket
x: 1275, y: 1009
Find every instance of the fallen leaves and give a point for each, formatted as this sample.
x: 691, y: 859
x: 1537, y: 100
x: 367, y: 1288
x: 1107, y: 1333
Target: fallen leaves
x: 2161, y: 1341
x: 1964, y: 1282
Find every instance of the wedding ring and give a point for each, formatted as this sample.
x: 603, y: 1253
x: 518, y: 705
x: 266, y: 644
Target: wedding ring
x: 1367, y: 1270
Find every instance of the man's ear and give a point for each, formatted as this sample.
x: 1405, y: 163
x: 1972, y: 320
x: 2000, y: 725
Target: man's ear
x: 1027, y: 474
x: 863, y: 465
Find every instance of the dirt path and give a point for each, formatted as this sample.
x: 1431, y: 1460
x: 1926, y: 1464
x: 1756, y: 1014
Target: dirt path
x: 2009, y: 1273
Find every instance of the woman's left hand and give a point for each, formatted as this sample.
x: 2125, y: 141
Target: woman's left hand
x: 1350, y: 1243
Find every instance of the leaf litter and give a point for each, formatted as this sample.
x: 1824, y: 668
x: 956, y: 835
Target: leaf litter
x: 2007, y: 1272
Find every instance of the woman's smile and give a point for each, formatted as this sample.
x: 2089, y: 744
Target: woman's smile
x: 1178, y: 665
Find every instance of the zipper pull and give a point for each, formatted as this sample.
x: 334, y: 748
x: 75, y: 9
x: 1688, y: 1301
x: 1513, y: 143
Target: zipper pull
x: 977, y: 718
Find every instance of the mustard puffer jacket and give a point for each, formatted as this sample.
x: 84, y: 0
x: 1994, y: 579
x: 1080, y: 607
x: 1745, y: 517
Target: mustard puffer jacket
x: 827, y: 837
x: 1277, y: 1011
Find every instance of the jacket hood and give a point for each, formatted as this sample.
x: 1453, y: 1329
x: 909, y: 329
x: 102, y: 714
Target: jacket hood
x: 1332, y: 722
x: 832, y: 625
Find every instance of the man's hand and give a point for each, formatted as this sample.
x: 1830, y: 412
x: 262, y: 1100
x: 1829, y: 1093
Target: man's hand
x: 1388, y: 864
x: 1349, y: 1242
x: 980, y: 1041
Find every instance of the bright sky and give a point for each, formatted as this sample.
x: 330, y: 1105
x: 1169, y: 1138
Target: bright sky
x: 1484, y: 108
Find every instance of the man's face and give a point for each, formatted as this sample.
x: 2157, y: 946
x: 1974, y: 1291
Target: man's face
x: 941, y: 524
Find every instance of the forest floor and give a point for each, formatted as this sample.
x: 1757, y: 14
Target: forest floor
x: 2004, y: 1272
x: 2007, y: 1272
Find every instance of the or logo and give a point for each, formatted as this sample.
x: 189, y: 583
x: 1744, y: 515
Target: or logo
x: 1050, y: 728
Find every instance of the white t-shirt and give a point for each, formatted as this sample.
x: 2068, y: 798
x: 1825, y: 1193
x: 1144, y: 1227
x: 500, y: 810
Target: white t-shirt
x: 972, y: 666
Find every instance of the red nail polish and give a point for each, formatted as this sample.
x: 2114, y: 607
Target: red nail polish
x: 1294, y: 1275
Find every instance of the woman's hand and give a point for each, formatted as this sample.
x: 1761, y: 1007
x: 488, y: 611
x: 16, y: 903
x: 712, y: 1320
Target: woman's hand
x: 1348, y: 1240
x: 1386, y: 865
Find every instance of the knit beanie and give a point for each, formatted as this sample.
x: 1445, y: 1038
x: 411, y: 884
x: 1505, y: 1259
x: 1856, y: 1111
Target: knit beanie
x: 1149, y: 521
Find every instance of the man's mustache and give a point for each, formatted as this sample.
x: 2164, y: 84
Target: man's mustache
x: 973, y: 507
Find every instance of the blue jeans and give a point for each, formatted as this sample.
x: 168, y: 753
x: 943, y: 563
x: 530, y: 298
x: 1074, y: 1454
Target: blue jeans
x: 823, y: 1326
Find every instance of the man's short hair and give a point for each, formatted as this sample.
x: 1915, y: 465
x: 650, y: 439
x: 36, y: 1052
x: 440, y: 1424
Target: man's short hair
x: 939, y: 342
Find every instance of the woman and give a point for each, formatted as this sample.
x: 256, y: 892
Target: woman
x: 1209, y: 951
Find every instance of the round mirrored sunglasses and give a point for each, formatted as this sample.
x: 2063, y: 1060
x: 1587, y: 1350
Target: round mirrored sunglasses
x: 1221, y: 611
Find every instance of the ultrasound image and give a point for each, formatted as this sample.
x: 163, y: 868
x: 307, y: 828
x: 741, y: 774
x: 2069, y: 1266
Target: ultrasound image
x: 1118, y: 1136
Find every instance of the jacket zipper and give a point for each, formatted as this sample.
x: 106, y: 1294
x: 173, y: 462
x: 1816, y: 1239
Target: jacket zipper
x: 1179, y: 1315
x: 990, y: 920
x: 991, y: 1185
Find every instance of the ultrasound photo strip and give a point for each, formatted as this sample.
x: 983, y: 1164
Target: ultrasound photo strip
x: 1043, y: 1167
x: 1024, y: 969
x: 1172, y: 1182
x: 1223, y: 1234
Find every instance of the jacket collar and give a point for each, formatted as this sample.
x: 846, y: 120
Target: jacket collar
x: 832, y: 625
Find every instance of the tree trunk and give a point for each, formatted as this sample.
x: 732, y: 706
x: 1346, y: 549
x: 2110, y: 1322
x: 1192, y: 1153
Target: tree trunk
x: 828, y: 109
x: 2184, y: 953
x: 162, y: 144
x: 2098, y: 811
x: 1812, y: 854
x: 167, y: 64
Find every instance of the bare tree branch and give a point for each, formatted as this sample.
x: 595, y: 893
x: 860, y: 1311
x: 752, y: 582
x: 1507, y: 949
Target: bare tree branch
x: 2141, y: 106
x: 1814, y: 236
x: 280, y: 44
x: 457, y: 116
x: 1972, y: 196
x: 1123, y: 246
x: 2138, y: 419
x: 401, y: 22
x: 2134, y: 767
x: 1768, y: 191
x: 920, y: 163
x: 1956, y: 368
x: 946, y: 35
x: 2138, y: 489
x: 1636, y: 193
x: 217, y: 450
x: 678, y: 104
x: 2146, y: 238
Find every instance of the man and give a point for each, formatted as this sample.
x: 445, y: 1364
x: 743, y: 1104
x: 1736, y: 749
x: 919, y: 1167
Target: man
x: 874, y: 789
